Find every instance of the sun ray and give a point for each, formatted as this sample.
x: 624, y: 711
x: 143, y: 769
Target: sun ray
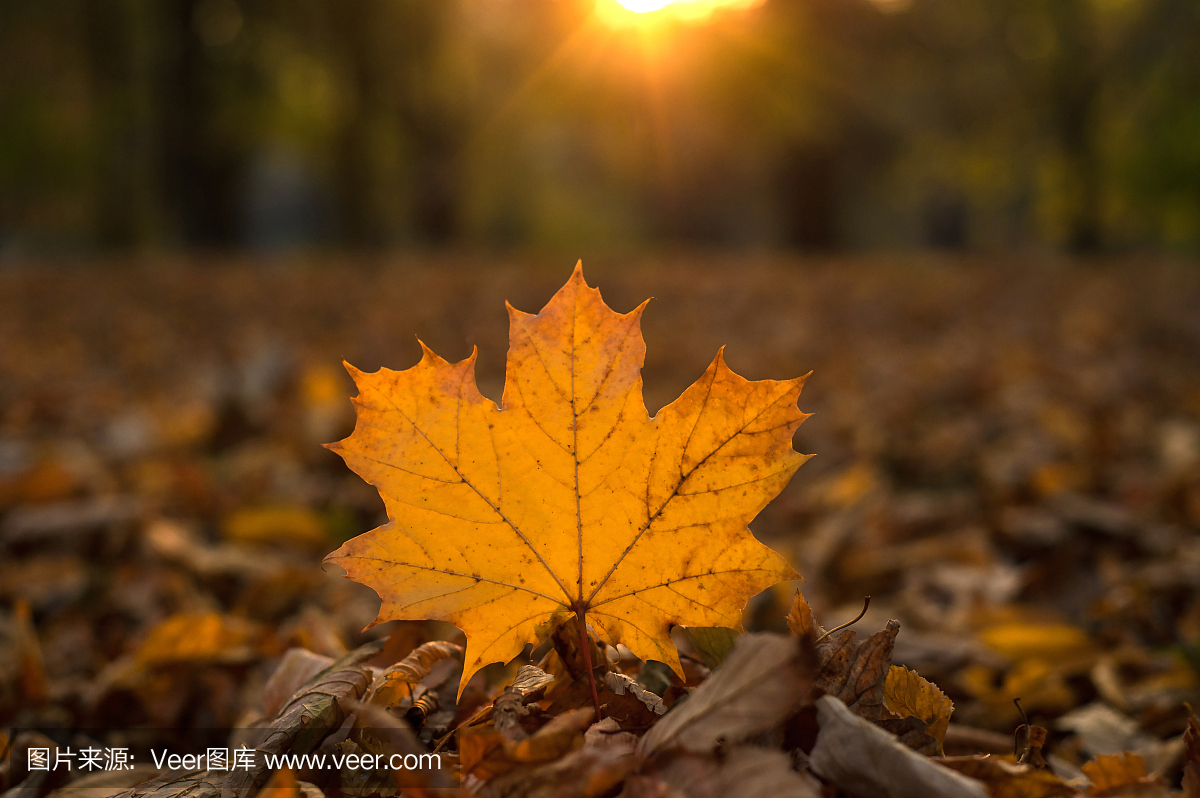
x: 626, y: 13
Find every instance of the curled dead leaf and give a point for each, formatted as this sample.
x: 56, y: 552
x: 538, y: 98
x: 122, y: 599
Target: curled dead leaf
x: 396, y: 682
x: 620, y: 684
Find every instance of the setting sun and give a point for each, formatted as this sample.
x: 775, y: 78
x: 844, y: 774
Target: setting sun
x: 644, y: 11
x: 644, y: 6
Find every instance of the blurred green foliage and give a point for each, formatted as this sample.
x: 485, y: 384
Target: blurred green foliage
x: 806, y: 123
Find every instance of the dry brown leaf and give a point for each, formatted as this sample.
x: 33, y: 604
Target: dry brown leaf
x: 865, y: 760
x: 1009, y: 780
x: 297, y: 668
x: 856, y: 672
x: 530, y: 681
x: 907, y: 694
x: 744, y: 771
x: 589, y: 772
x: 173, y: 784
x: 620, y: 684
x: 1035, y: 741
x: 485, y: 752
x: 396, y: 682
x: 568, y: 499
x: 104, y: 783
x: 315, y: 711
x: 751, y: 693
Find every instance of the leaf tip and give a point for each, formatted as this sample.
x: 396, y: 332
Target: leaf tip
x: 428, y: 356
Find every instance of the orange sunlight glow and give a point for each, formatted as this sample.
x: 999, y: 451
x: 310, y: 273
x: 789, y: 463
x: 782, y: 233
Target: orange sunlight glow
x: 623, y: 13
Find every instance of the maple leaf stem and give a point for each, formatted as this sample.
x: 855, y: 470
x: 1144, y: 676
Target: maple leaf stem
x: 581, y: 616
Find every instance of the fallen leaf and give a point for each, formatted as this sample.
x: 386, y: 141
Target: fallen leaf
x: 1039, y: 684
x: 103, y: 783
x: 292, y: 525
x: 713, y: 643
x: 856, y: 672
x: 1032, y: 640
x: 314, y: 712
x: 744, y: 771
x: 620, y: 684
x: 1035, y: 740
x: 173, y: 784
x: 486, y: 752
x: 297, y: 667
x: 513, y: 709
x: 530, y: 681
x: 396, y: 682
x: 907, y: 694
x: 1103, y: 730
x: 607, y: 733
x: 756, y: 688
x: 800, y: 619
x: 865, y: 760
x: 589, y: 772
x: 1008, y: 779
x: 568, y: 499
x: 198, y: 637
x: 1120, y: 774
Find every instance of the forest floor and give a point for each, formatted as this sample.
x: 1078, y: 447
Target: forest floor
x: 1007, y: 462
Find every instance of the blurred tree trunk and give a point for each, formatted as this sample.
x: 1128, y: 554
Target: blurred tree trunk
x: 1075, y: 92
x: 807, y: 194
x: 202, y: 170
x: 123, y: 179
x: 393, y: 51
x: 359, y: 215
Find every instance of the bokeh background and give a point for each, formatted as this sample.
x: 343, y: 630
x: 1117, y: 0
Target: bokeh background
x: 977, y: 223
x: 820, y: 124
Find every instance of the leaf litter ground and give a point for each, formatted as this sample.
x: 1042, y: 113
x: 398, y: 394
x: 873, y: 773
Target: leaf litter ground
x: 1008, y: 464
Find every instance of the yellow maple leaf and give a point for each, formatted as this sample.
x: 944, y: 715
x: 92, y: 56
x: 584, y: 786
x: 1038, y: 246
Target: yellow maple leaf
x: 568, y: 499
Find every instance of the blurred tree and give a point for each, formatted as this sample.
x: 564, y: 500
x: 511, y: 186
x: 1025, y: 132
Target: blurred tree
x: 395, y: 52
x: 814, y: 124
x: 125, y: 196
x: 203, y: 83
